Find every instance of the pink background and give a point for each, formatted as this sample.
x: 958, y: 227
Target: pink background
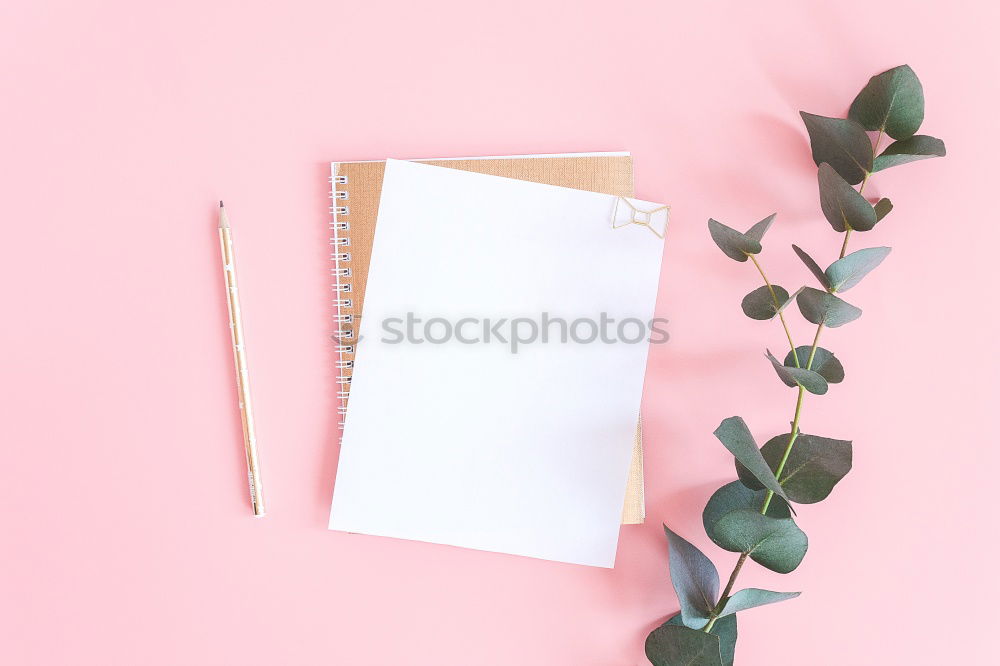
x: 126, y: 536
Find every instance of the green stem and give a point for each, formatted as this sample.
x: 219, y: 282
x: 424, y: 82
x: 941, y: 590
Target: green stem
x: 864, y: 181
x: 812, y: 352
x: 788, y: 449
x: 781, y: 315
x: 714, y: 615
x: 847, y: 237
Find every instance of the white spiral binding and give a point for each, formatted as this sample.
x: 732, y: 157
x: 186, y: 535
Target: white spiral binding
x: 339, y: 241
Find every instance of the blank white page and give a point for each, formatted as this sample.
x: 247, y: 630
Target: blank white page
x: 470, y: 444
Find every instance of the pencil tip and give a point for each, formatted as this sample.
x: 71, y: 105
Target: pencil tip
x: 223, y: 217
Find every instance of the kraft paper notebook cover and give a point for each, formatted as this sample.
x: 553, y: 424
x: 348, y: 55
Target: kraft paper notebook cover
x: 356, y: 188
x: 520, y: 450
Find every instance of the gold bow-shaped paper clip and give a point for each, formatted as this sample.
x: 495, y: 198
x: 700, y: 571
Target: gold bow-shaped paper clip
x: 654, y: 219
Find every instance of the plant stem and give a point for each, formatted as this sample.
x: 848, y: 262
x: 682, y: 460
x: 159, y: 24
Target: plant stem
x: 725, y: 593
x: 714, y: 615
x: 812, y: 352
x: 864, y: 181
x: 781, y: 315
x: 847, y: 237
x: 788, y: 448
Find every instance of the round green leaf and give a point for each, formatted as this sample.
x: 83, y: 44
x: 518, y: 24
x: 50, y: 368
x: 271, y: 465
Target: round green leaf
x: 695, y: 580
x: 824, y: 362
x: 843, y: 144
x: 843, y: 207
x: 677, y: 645
x: 893, y: 102
x: 814, y: 466
x: 734, y: 244
x: 808, y: 379
x: 775, y: 543
x: 882, y: 208
x: 919, y: 147
x: 763, y: 303
x: 736, y: 495
x: 725, y: 629
x: 848, y: 271
x: 820, y: 307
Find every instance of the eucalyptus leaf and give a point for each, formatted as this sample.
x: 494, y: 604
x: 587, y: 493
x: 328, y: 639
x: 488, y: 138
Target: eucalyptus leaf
x: 753, y: 597
x: 843, y: 144
x: 788, y: 301
x: 850, y: 270
x: 824, y: 362
x: 677, y: 645
x: 843, y: 207
x: 765, y: 302
x: 814, y: 466
x: 812, y: 266
x: 725, y: 629
x: 808, y: 379
x: 820, y: 307
x: 919, y: 147
x: 882, y: 208
x: 775, y: 543
x: 734, y: 244
x: 695, y: 580
x: 736, y: 495
x: 892, y: 101
x: 736, y: 436
x: 757, y: 231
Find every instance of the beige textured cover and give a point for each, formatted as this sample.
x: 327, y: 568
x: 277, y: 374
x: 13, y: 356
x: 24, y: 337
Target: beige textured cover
x: 610, y: 174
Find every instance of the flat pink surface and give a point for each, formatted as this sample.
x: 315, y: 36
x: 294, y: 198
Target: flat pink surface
x: 126, y: 537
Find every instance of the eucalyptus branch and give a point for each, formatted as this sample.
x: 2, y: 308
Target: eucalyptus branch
x: 752, y: 516
x: 769, y: 496
x: 777, y: 306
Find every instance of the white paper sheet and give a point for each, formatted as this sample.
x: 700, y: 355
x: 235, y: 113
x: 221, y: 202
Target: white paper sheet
x: 470, y: 444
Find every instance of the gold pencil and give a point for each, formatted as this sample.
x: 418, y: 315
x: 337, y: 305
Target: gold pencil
x: 240, y: 359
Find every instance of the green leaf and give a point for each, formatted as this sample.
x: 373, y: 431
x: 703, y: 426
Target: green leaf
x: 919, y: 147
x: 760, y: 303
x: 843, y: 207
x: 677, y: 645
x: 824, y: 362
x: 725, y: 629
x: 808, y: 379
x: 840, y: 143
x: 757, y: 231
x: 736, y: 495
x: 735, y: 436
x: 812, y: 266
x: 734, y: 244
x: 850, y: 270
x: 752, y: 598
x: 819, y: 307
x: 695, y: 580
x: 737, y: 245
x: 814, y: 466
x: 882, y: 208
x: 893, y: 102
x: 788, y: 301
x: 775, y: 543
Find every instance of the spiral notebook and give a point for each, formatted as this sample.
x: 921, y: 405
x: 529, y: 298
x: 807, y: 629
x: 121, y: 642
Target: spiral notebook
x: 468, y: 440
x: 356, y: 188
